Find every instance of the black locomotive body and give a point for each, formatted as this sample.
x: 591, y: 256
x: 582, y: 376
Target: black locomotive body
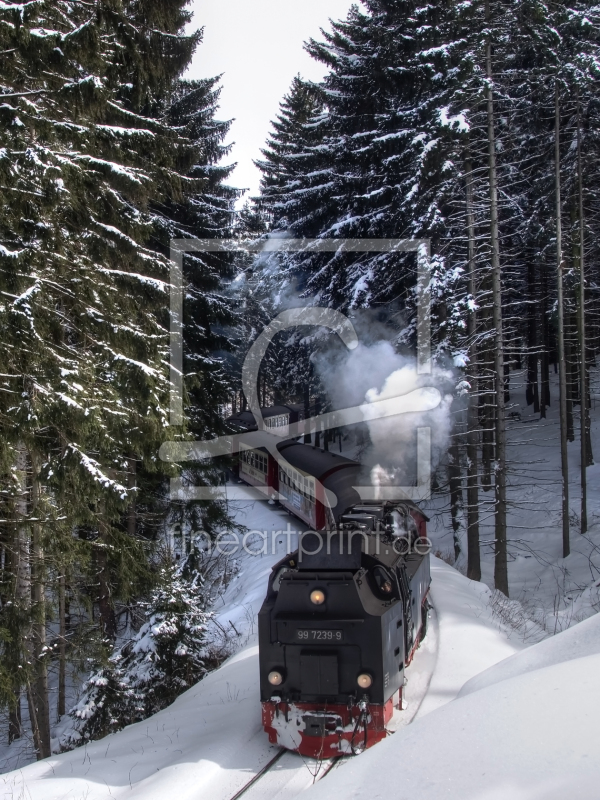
x: 341, y: 621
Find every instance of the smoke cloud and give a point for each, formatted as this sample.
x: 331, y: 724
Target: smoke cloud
x: 377, y: 372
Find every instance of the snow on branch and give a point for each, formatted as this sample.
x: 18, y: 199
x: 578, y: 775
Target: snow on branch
x: 133, y: 174
x: 94, y: 468
x: 459, y: 120
x: 157, y: 284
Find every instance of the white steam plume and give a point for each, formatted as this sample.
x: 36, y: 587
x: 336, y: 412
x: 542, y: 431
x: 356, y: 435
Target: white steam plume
x: 377, y: 372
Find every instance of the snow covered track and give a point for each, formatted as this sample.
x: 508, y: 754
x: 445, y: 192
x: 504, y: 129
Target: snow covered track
x: 259, y: 775
x: 284, y: 777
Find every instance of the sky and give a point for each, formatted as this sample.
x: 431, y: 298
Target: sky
x: 257, y: 45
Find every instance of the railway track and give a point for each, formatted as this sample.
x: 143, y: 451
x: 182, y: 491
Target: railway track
x: 286, y: 775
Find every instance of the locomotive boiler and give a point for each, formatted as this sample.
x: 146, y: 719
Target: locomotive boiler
x: 340, y: 623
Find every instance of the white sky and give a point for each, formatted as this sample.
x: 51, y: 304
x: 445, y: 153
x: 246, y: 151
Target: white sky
x: 257, y: 44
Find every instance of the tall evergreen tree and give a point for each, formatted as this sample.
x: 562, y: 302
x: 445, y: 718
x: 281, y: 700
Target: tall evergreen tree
x: 102, y: 151
x: 437, y: 122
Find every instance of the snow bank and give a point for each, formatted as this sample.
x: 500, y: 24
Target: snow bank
x: 576, y: 642
x: 205, y: 744
x: 470, y: 638
x: 524, y: 729
x: 210, y: 741
x: 529, y: 737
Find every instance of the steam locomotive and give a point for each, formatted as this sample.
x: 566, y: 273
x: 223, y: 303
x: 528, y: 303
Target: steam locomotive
x: 343, y: 614
x: 341, y: 620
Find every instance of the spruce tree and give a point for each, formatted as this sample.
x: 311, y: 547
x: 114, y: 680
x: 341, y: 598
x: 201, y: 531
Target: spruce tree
x: 431, y: 129
x: 165, y: 658
x: 286, y: 154
x: 102, y: 147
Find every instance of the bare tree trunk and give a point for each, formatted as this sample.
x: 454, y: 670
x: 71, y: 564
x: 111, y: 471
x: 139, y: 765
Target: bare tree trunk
x: 12, y: 647
x: 264, y: 392
x: 561, y: 336
x: 29, y: 556
x: 545, y: 357
x: 487, y: 436
x: 456, y: 498
x: 500, y: 566
x: 572, y: 381
x: 473, y: 546
x: 39, y: 686
x: 582, y: 349
x: 307, y: 436
x: 62, y: 646
x: 532, y: 392
x: 22, y: 564
x: 131, y: 511
x: 15, y: 724
x: 108, y: 620
x: 35, y: 730
x: 486, y: 387
x: 21, y: 575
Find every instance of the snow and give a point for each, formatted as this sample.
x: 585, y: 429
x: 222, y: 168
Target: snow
x: 70, y: 402
x: 525, y: 738
x: 210, y: 742
x: 459, y: 120
x: 211, y: 737
x: 487, y: 717
x: 42, y: 32
x: 139, y: 364
x: 554, y: 592
x: 9, y: 253
x: 126, y: 132
x: 135, y: 175
x: 93, y: 468
x: 576, y: 642
x: 471, y: 639
x: 159, y: 285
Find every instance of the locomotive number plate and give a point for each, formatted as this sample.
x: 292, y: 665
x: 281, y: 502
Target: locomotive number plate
x: 321, y: 635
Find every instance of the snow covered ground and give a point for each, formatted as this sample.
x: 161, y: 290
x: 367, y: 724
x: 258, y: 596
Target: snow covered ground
x: 525, y: 729
x: 209, y: 743
x: 554, y: 592
x: 496, y: 707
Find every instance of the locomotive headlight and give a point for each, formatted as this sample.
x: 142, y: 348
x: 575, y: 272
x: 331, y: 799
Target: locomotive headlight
x: 317, y: 597
x: 364, y: 680
x: 275, y: 678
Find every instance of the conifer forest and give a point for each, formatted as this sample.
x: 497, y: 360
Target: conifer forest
x: 473, y: 125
